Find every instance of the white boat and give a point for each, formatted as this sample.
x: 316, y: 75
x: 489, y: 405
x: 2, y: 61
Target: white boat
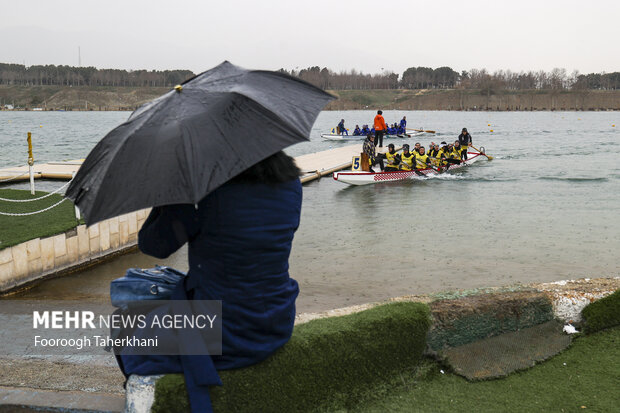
x: 365, y: 178
x: 336, y: 137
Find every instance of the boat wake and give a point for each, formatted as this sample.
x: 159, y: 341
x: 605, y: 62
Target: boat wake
x: 573, y: 179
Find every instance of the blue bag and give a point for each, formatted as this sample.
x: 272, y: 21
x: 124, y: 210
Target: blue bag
x: 144, y: 284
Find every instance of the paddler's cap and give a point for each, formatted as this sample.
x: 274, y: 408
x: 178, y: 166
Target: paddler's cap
x: 406, y: 146
x: 443, y: 143
x: 391, y: 145
x: 464, y: 129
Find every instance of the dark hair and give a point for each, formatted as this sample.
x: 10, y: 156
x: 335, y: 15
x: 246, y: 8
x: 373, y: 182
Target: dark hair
x: 276, y: 169
x: 379, y: 112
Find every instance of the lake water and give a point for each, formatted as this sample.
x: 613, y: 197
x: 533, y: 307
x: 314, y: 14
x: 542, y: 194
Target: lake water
x: 546, y: 208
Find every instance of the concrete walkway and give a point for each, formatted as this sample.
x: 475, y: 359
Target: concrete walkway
x: 27, y: 399
x: 312, y: 165
x: 51, y: 170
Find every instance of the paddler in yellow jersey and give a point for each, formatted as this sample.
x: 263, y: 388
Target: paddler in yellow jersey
x: 406, y: 159
x: 433, y: 149
x: 422, y: 160
x: 392, y: 158
x: 459, y: 150
x: 442, y: 154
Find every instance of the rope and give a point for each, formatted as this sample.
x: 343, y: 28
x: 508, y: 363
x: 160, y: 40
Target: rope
x: 36, y: 199
x: 14, y: 177
x: 35, y: 212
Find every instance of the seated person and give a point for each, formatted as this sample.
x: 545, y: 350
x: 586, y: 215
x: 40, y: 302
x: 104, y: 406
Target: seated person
x: 224, y: 240
x: 442, y: 154
x: 365, y: 130
x: 357, y: 131
x: 406, y: 159
x: 422, y: 160
x: 451, y: 156
x: 458, y: 150
x: 393, y: 159
x: 433, y: 149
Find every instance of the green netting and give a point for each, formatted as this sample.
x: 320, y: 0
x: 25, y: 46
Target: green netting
x: 501, y: 355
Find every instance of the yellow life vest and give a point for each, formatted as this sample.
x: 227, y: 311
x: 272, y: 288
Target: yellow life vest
x: 439, y: 155
x: 421, y: 161
x: 391, y: 158
x: 455, y: 154
x: 407, y: 161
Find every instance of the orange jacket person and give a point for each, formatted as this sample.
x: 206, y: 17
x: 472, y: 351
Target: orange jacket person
x: 380, y: 128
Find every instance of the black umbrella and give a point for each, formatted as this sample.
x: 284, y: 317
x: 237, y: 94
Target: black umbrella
x: 186, y: 143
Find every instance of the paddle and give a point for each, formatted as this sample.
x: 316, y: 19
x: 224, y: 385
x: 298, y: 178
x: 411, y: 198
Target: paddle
x: 428, y: 165
x: 490, y: 158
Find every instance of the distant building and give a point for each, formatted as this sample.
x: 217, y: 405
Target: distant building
x: 8, y: 107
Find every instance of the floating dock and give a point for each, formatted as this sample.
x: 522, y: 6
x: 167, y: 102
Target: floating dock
x: 51, y: 170
x: 312, y: 165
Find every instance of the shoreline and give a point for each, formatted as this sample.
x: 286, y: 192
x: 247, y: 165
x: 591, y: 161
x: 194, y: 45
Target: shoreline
x: 109, y: 98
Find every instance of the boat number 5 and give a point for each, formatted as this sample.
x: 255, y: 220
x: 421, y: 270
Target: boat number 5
x: 356, y: 163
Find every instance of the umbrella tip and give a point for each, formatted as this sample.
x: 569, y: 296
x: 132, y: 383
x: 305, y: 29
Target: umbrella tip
x: 178, y: 88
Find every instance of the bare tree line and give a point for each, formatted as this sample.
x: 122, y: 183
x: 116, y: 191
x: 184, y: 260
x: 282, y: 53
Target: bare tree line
x: 447, y: 78
x: 15, y: 74
x: 412, y: 78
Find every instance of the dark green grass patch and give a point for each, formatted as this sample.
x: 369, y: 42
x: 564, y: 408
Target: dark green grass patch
x: 587, y: 374
x: 14, y: 230
x: 603, y: 313
x: 328, y: 364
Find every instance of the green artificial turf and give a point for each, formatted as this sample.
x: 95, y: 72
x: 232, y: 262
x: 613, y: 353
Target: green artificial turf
x: 587, y: 374
x: 15, y: 230
x: 328, y: 364
x: 603, y: 313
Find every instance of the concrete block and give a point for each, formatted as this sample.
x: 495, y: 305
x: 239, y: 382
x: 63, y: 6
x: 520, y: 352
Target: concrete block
x: 113, y: 225
x: 73, y: 255
x: 133, y: 223
x: 122, y: 218
x: 83, y: 242
x: 114, y: 240
x: 6, y: 272
x: 140, y: 223
x: 35, y: 266
x: 94, y: 245
x: 60, y: 246
x: 47, y: 253
x: 104, y: 235
x: 33, y: 249
x: 6, y: 256
x: 93, y: 230
x: 124, y: 232
x: 140, y: 393
x: 20, y: 260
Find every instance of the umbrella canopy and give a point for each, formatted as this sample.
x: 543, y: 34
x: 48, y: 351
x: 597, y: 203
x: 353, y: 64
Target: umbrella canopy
x: 186, y: 143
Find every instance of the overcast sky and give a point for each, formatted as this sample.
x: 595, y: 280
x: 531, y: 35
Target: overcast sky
x: 370, y: 36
